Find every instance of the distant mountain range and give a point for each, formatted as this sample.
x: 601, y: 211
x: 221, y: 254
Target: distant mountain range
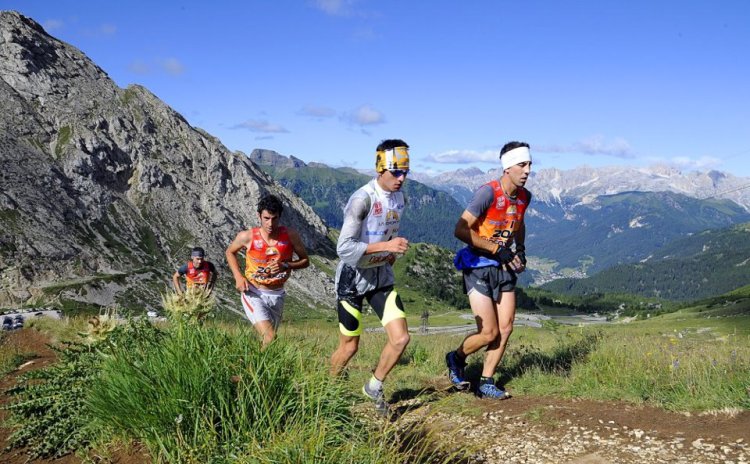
x: 430, y: 217
x: 571, y: 232
x: 555, y: 186
x: 705, y: 264
x: 587, y: 237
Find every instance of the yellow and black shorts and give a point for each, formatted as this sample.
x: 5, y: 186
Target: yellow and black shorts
x: 385, y: 301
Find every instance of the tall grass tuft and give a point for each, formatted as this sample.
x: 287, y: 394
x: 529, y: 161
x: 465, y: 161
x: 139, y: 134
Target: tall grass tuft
x: 178, y: 396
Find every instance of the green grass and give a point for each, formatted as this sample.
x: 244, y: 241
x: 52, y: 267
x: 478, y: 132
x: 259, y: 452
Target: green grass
x: 285, y: 407
x: 676, y: 362
x: 63, y: 138
x: 172, y: 390
x: 11, y: 356
x: 197, y: 413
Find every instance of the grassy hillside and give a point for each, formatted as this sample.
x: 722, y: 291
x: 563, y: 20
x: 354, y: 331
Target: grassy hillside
x: 695, y: 359
x: 707, y: 263
x: 621, y: 229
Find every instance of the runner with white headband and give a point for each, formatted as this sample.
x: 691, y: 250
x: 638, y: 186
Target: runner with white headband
x: 493, y: 229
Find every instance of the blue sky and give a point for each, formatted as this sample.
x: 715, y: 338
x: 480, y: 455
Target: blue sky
x: 591, y: 82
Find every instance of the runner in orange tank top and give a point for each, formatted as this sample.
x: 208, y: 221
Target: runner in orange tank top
x: 198, y: 272
x: 269, y: 261
x: 490, y: 226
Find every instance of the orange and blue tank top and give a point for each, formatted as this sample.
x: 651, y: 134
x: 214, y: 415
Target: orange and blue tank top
x: 504, y: 217
x: 197, y: 275
x: 259, y: 255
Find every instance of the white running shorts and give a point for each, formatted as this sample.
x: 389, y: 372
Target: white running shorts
x: 263, y: 305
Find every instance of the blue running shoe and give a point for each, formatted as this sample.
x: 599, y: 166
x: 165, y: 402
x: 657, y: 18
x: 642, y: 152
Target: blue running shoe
x: 488, y: 389
x: 378, y: 398
x: 456, y: 371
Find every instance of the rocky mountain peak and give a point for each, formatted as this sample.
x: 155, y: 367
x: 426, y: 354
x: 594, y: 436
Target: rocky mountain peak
x: 272, y: 158
x: 104, y: 190
x: 556, y: 186
x: 40, y: 67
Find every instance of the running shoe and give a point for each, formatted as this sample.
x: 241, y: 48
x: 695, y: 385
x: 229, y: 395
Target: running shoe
x: 488, y: 389
x: 377, y: 397
x: 456, y: 371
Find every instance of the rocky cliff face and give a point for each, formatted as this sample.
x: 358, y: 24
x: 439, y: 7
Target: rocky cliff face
x: 103, y: 190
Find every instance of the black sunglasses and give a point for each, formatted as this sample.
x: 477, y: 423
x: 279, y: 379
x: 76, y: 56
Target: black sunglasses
x: 399, y: 172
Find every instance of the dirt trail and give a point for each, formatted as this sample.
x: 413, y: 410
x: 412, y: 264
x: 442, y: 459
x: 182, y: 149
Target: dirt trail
x: 31, y: 341
x: 528, y: 429
x: 523, y: 429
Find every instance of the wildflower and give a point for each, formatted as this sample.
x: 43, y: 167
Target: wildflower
x: 99, y: 327
x: 195, y: 304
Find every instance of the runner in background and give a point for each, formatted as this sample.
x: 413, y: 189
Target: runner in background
x: 198, y: 272
x: 269, y: 261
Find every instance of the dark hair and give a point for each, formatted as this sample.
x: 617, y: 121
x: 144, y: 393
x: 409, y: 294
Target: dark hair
x: 512, y: 145
x: 270, y: 203
x: 198, y: 250
x: 391, y: 143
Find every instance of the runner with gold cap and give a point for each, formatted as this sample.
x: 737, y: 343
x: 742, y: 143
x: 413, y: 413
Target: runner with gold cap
x: 368, y: 245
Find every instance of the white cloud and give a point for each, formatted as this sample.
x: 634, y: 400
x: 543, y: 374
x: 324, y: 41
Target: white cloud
x: 100, y: 31
x: 107, y: 29
x: 334, y: 7
x: 699, y: 164
x: 594, y: 145
x: 172, y: 66
x: 52, y: 25
x: 139, y: 67
x: 365, y: 115
x: 260, y: 125
x: 317, y: 111
x: 464, y: 156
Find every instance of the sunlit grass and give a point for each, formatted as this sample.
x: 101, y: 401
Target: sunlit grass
x: 207, y: 392
x: 690, y: 369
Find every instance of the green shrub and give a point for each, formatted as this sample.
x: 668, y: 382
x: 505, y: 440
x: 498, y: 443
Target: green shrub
x: 49, y: 410
x: 202, y: 390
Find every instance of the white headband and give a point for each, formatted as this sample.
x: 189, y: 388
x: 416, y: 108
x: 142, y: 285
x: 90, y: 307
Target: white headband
x: 515, y: 156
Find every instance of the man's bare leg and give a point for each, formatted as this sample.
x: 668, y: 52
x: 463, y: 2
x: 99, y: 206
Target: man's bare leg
x: 506, y: 314
x: 398, y: 338
x: 348, y: 346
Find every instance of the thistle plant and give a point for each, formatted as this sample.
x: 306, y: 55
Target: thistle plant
x: 194, y: 305
x: 99, y: 327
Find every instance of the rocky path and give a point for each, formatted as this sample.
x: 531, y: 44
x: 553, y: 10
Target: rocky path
x: 548, y: 430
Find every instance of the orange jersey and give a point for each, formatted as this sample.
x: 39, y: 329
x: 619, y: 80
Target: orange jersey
x: 504, y: 217
x: 260, y: 254
x: 197, y: 275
